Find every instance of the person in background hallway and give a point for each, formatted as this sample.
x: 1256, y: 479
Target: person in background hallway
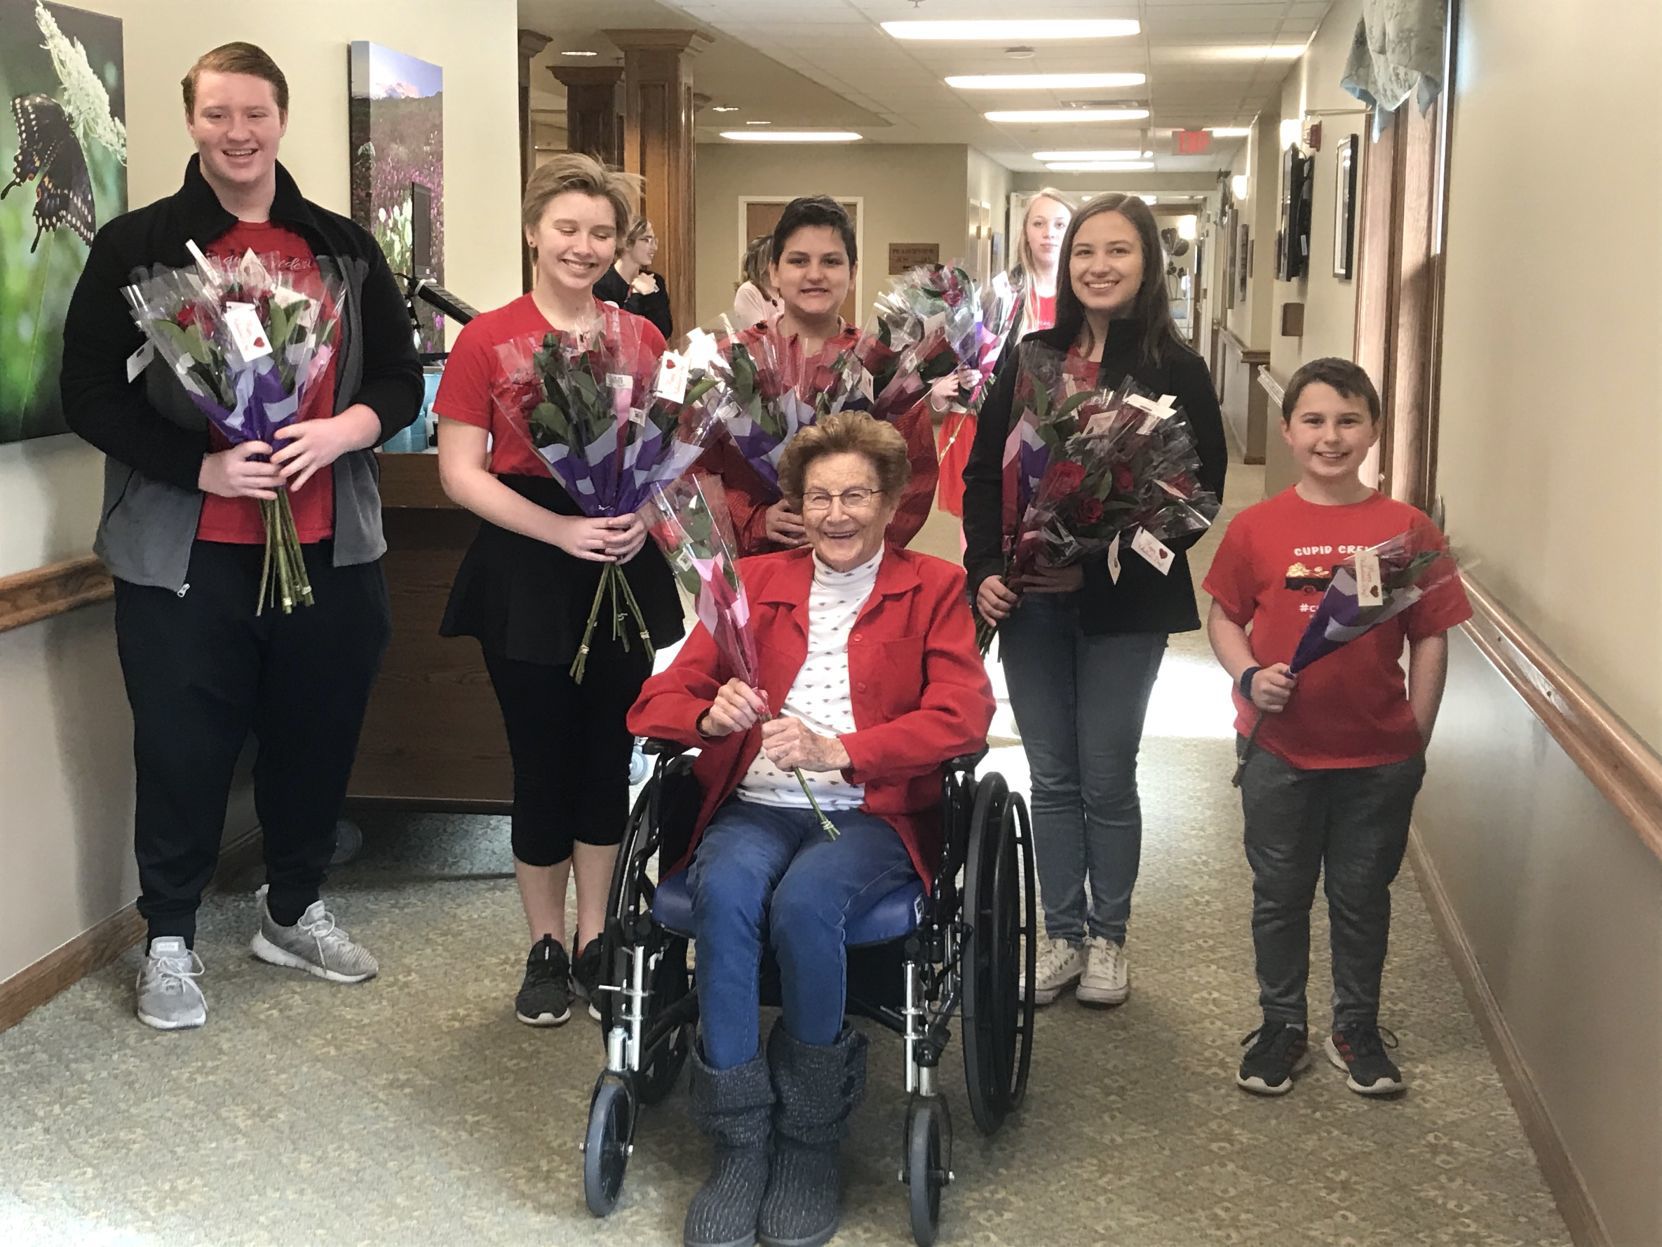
x: 1033, y: 276
x: 183, y: 537
x: 869, y: 653
x: 630, y: 282
x: 525, y: 586
x: 1081, y: 650
x: 754, y: 301
x: 812, y: 271
x: 1328, y: 786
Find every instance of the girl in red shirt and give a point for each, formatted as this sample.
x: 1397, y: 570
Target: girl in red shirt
x: 524, y: 588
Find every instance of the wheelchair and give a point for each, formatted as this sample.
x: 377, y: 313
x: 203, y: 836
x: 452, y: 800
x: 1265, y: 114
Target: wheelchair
x: 914, y: 961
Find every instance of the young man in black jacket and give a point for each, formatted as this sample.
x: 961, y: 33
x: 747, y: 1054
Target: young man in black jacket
x: 182, y: 535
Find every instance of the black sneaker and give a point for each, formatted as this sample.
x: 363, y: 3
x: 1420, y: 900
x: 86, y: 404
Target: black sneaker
x: 585, y: 975
x: 545, y: 997
x: 1359, y: 1050
x: 1280, y: 1051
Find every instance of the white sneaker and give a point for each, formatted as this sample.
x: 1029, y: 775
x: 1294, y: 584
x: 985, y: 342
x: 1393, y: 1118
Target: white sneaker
x: 168, y: 997
x: 1056, y: 964
x: 1107, y: 977
x: 314, y: 944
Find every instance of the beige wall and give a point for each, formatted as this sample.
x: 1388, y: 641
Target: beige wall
x: 987, y: 182
x: 1259, y: 160
x: 908, y: 194
x: 1552, y: 502
x: 65, y: 735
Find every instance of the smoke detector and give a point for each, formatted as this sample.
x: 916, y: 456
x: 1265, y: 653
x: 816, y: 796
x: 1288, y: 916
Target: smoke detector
x: 1019, y: 53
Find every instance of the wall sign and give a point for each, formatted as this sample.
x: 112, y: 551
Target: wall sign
x: 908, y: 255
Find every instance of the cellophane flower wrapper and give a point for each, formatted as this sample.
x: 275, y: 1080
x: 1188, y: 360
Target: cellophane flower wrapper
x: 1055, y: 397
x: 247, y: 397
x: 927, y: 325
x: 689, y: 520
x: 772, y: 390
x: 612, y: 421
x: 1411, y: 564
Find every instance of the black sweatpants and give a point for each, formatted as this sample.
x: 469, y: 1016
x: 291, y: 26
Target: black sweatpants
x: 202, y: 672
x: 570, y: 747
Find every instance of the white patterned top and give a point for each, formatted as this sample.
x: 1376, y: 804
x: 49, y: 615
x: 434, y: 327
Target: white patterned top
x: 820, y: 694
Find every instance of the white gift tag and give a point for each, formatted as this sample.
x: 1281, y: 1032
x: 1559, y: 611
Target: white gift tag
x: 932, y: 323
x: 671, y: 385
x: 1114, y: 560
x: 242, y: 322
x: 1153, y: 549
x: 251, y: 273
x: 1157, y: 411
x: 140, y: 359
x: 1370, y: 591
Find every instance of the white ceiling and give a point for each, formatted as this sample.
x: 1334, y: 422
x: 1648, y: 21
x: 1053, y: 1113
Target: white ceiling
x: 828, y: 64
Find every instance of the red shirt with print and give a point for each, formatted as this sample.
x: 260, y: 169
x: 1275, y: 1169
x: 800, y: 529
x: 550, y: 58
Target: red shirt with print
x: 473, y: 375
x: 237, y: 520
x: 1351, y: 707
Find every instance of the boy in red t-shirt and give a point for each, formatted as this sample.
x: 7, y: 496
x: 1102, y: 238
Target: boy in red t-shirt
x: 1330, y: 780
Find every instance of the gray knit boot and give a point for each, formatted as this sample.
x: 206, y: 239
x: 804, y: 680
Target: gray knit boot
x: 818, y: 1088
x: 734, y: 1107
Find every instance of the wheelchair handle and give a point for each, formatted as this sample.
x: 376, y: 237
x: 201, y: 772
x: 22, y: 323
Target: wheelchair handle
x: 663, y: 748
x: 965, y: 762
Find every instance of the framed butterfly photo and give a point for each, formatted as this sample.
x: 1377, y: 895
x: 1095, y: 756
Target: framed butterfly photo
x: 63, y: 173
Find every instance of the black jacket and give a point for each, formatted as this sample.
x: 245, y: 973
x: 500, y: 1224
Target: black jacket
x: 611, y: 288
x: 1143, y: 600
x: 153, y: 435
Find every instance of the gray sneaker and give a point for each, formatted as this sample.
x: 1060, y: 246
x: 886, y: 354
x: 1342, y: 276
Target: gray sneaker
x: 168, y: 997
x: 314, y: 944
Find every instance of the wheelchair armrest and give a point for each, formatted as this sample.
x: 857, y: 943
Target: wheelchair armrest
x: 663, y: 748
x: 966, y: 762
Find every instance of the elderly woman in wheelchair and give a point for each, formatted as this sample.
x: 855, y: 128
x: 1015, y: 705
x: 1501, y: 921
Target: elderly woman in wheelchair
x: 869, y: 682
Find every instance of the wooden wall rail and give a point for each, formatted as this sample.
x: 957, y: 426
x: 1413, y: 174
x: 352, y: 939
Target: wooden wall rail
x: 1248, y: 354
x: 1620, y: 765
x: 29, y: 597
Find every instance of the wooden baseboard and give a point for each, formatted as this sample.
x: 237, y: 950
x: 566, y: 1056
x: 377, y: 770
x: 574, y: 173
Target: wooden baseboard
x: 1557, y: 1166
x: 99, y: 945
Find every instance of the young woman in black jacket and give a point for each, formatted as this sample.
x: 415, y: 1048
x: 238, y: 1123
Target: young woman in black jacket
x: 1080, y: 649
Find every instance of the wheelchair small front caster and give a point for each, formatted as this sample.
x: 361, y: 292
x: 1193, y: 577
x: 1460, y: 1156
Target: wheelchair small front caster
x: 928, y: 1164
x: 639, y: 767
x: 607, y: 1144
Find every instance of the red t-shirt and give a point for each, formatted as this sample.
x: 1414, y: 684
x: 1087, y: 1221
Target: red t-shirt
x: 1047, y: 314
x: 473, y: 373
x: 237, y: 520
x: 1351, y: 707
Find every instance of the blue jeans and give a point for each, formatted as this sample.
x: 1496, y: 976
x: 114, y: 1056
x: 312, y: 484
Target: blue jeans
x: 1080, y: 702
x: 770, y: 872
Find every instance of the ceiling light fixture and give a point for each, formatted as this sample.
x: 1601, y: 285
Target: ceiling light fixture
x: 1013, y: 31
x: 579, y: 54
x: 1099, y: 166
x: 1252, y: 52
x: 1046, y: 115
x: 1128, y: 154
x: 1043, y: 82
x: 1238, y: 186
x: 758, y: 123
x: 1229, y: 132
x: 724, y: 108
x: 792, y: 136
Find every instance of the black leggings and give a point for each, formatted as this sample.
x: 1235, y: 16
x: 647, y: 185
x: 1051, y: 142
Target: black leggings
x: 570, y: 749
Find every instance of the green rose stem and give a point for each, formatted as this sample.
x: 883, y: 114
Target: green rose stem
x: 612, y: 583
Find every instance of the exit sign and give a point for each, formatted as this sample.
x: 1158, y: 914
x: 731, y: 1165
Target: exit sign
x: 1191, y: 142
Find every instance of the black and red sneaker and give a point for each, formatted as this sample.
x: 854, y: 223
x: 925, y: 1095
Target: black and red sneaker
x: 1359, y: 1050
x: 1277, y: 1052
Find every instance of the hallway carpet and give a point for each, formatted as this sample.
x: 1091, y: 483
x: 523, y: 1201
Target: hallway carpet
x: 415, y: 1110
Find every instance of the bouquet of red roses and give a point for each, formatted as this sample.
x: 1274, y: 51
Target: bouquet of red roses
x: 247, y: 338
x: 688, y: 519
x: 772, y: 389
x: 611, y: 420
x: 925, y: 326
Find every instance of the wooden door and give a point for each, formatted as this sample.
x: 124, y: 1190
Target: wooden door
x: 761, y: 215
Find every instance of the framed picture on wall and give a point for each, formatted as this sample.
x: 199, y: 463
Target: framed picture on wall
x: 1344, y: 209
x: 1243, y: 255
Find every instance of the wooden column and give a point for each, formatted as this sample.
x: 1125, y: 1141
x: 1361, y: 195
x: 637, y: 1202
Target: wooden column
x: 531, y: 44
x: 592, y: 123
x: 658, y: 144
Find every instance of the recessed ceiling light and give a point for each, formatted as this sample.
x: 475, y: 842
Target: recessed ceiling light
x: 758, y: 123
x: 1042, y: 82
x: 724, y: 108
x: 1099, y: 166
x: 1041, y: 115
x: 1014, y: 31
x: 792, y: 136
x: 1130, y: 154
x: 579, y: 54
x: 1252, y: 52
x: 1229, y: 132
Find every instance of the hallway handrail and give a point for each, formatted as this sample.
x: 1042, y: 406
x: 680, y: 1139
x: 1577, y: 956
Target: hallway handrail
x: 1617, y: 761
x: 28, y: 597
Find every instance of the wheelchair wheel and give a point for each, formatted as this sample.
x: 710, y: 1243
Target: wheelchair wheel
x: 999, y: 907
x: 928, y: 1164
x: 669, y: 985
x: 607, y: 1145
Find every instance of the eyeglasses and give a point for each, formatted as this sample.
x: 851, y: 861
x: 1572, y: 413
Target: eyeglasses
x: 859, y: 498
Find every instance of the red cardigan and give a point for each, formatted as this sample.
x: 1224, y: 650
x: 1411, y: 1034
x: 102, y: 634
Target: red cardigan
x: 919, y: 688
x: 748, y: 496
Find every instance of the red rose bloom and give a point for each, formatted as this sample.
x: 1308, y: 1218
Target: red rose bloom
x: 1090, y: 511
x: 1067, y: 476
x: 186, y: 317
x: 1123, y: 480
